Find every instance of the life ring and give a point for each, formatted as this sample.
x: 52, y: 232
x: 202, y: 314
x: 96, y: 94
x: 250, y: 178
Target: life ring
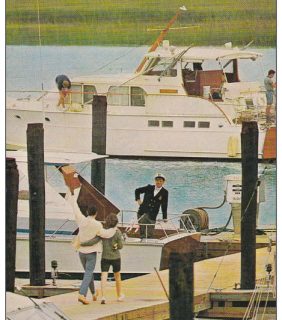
x: 197, y: 216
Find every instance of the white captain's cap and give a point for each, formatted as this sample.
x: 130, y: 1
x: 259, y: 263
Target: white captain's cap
x: 159, y: 175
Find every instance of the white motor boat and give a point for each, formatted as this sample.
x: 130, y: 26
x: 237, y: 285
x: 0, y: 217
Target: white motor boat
x: 60, y: 228
x: 184, y: 102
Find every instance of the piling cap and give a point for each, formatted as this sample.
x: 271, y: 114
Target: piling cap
x: 159, y: 175
x: 66, y: 83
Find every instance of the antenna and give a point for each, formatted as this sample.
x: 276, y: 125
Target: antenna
x: 161, y: 36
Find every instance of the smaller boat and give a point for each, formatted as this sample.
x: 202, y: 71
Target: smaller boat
x: 61, y: 228
x: 21, y: 307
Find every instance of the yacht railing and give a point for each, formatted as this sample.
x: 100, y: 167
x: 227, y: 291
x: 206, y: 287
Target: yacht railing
x: 176, y: 224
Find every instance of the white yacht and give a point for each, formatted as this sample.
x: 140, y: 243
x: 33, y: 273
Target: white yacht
x: 181, y: 102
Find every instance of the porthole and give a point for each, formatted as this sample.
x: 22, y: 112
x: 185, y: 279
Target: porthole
x: 17, y: 116
x: 47, y: 119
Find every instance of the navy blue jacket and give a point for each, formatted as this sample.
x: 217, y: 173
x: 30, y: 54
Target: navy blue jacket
x: 151, y: 204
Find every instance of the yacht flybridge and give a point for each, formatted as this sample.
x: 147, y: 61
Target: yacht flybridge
x: 183, y: 102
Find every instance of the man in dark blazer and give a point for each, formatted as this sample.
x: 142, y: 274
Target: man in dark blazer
x: 155, y: 197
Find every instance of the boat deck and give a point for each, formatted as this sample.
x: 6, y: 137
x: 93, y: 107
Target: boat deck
x: 146, y: 299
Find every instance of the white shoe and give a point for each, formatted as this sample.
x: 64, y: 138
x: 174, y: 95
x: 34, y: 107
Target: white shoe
x: 103, y: 300
x: 121, y: 298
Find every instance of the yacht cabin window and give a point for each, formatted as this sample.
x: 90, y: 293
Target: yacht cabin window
x: 88, y: 92
x: 137, y: 96
x: 167, y: 124
x: 153, y: 123
x: 203, y: 124
x: 75, y: 94
x: 125, y: 96
x: 118, y: 96
x: 189, y: 124
x: 81, y: 94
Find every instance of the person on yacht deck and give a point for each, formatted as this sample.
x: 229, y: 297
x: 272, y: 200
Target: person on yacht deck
x: 155, y: 197
x: 89, y: 228
x: 269, y: 85
x: 63, y: 85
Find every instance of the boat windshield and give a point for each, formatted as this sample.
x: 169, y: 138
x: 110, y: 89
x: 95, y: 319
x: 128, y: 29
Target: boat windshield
x: 161, y: 66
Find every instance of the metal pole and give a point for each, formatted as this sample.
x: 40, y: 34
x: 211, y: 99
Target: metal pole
x: 12, y: 191
x: 35, y: 157
x: 249, y: 147
x: 181, y: 286
x: 99, y: 135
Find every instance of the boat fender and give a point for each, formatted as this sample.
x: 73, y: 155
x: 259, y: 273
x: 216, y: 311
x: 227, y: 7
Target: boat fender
x: 198, y: 217
x: 232, y: 146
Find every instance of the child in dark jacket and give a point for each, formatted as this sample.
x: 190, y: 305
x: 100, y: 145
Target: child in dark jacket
x: 110, y: 256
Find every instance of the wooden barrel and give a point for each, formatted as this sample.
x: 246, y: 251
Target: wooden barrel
x: 198, y: 217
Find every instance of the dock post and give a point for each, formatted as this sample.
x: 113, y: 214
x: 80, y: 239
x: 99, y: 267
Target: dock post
x: 35, y: 158
x: 181, y: 286
x: 99, y: 134
x: 249, y: 147
x: 12, y: 191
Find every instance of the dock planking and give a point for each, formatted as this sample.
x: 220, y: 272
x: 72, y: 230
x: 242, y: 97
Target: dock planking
x: 146, y: 299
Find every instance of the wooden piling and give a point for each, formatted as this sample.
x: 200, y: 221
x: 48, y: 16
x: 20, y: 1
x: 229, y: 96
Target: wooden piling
x: 249, y: 147
x: 99, y: 135
x: 12, y: 190
x: 181, y: 286
x: 35, y: 157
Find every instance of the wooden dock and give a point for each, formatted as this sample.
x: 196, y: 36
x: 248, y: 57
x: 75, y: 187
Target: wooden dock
x: 145, y: 298
x: 225, y: 243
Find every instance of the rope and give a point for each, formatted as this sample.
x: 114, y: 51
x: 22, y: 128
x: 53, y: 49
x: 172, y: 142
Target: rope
x: 266, y: 300
x: 260, y: 285
x: 116, y: 59
x: 256, y: 298
x: 215, y: 275
x: 250, y: 305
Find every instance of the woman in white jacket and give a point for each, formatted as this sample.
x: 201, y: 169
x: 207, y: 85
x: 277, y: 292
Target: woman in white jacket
x: 89, y: 228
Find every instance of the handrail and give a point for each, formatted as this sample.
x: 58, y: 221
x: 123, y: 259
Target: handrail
x: 181, y: 228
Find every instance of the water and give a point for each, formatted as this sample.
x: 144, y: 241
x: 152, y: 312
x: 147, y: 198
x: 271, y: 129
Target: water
x: 190, y: 184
